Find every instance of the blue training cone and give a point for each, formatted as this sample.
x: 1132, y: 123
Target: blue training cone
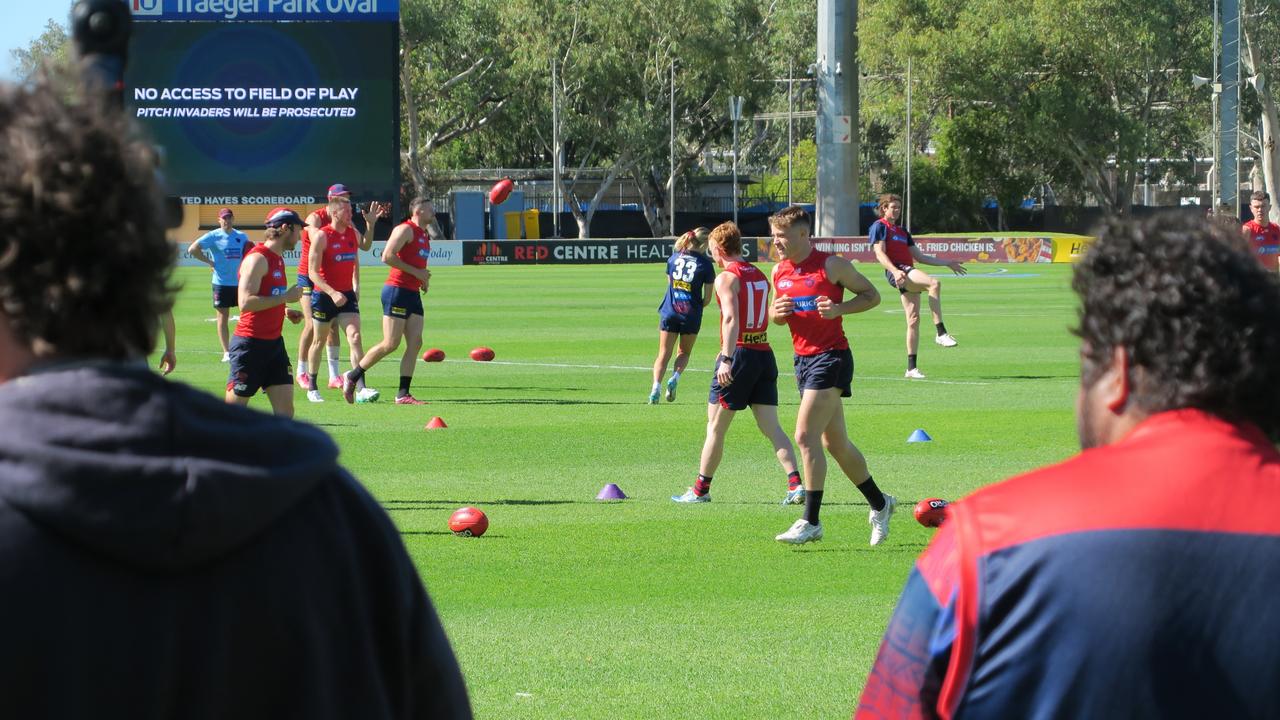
x: 919, y: 436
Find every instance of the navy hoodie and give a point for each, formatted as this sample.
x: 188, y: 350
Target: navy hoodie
x: 165, y: 555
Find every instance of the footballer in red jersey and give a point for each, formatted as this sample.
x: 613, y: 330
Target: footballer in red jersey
x: 316, y: 220
x: 746, y: 372
x: 1262, y: 234
x: 257, y: 354
x: 897, y: 251
x: 407, y: 253
x: 334, y: 265
x: 810, y: 299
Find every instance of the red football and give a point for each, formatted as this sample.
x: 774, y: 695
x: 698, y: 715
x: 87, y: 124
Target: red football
x: 468, y: 522
x: 433, y: 355
x: 500, y: 190
x: 930, y: 512
x: 482, y: 354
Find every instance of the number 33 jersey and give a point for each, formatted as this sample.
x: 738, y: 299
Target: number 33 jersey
x: 687, y: 274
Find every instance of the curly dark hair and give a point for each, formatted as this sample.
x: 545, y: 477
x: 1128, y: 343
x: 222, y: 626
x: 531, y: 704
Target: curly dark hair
x: 1196, y: 314
x: 84, y: 262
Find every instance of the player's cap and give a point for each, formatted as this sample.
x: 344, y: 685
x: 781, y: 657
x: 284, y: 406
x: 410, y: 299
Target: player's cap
x: 225, y: 212
x: 339, y: 190
x: 282, y: 216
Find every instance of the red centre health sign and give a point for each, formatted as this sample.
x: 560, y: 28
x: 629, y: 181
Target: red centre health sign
x: 964, y: 249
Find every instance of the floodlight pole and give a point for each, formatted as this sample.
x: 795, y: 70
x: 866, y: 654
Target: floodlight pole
x: 907, y: 195
x: 1228, y: 138
x: 555, y: 152
x: 791, y: 158
x: 671, y: 180
x: 735, y: 113
x: 836, y: 79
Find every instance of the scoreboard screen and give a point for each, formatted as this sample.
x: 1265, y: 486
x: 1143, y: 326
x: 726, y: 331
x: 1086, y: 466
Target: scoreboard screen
x: 262, y: 112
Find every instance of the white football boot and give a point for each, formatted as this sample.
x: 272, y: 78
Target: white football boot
x: 800, y: 533
x: 880, y: 520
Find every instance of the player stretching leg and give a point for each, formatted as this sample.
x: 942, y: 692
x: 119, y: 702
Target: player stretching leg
x: 334, y: 264
x: 689, y: 278
x: 746, y: 372
x: 407, y: 252
x: 810, y: 300
x: 258, y: 357
x: 898, y: 253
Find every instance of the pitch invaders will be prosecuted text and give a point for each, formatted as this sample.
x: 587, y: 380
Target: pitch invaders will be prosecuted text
x: 239, y: 94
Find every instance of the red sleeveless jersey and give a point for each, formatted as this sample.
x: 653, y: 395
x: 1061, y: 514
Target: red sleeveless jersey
x: 804, y: 283
x: 414, y: 254
x: 1265, y: 242
x: 265, y: 324
x: 338, y: 264
x: 303, y: 261
x: 753, y: 306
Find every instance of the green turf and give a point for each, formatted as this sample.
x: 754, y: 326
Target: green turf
x: 571, y: 608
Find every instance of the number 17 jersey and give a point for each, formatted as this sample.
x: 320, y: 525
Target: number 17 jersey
x: 753, y: 306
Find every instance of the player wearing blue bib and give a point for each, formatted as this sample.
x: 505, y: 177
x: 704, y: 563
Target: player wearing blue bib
x: 223, y: 250
x: 690, y: 275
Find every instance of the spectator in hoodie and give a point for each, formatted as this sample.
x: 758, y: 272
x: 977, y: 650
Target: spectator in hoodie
x: 167, y: 554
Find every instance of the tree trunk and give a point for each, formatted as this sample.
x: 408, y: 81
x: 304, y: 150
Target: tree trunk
x: 1270, y: 123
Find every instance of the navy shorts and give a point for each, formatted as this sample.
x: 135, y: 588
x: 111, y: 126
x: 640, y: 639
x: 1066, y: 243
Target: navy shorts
x: 755, y: 380
x: 257, y: 364
x: 889, y: 276
x: 400, y: 303
x: 226, y: 296
x: 304, y: 281
x: 323, y: 309
x: 684, y: 325
x: 831, y: 369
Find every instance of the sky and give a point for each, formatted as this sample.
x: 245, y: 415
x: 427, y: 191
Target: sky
x: 24, y: 20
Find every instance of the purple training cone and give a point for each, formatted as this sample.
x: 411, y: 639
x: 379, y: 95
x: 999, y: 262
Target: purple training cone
x: 611, y: 492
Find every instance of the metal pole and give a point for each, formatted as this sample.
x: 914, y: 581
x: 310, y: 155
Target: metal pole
x: 791, y: 158
x: 1229, y: 105
x: 555, y: 153
x: 733, y: 102
x: 907, y: 217
x: 836, y: 205
x: 1215, y: 86
x: 671, y: 188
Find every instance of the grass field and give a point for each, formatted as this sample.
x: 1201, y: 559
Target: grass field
x: 573, y: 608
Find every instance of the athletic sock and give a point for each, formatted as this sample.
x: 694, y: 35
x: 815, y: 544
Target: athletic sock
x: 404, y: 385
x: 872, y: 493
x: 911, y: 362
x: 702, y: 485
x: 356, y: 374
x: 311, y: 382
x: 335, y: 370
x: 656, y: 386
x: 942, y: 329
x: 793, y: 480
x: 676, y: 376
x: 812, y: 505
x: 302, y: 367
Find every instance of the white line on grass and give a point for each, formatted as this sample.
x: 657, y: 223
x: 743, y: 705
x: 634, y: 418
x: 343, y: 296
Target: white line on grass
x: 702, y: 370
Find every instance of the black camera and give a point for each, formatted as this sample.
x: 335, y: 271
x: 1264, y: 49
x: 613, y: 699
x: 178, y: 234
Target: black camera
x: 100, y: 30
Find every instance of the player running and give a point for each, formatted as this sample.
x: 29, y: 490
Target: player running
x: 810, y: 299
x: 898, y: 253
x: 258, y: 356
x: 689, y: 277
x: 226, y: 247
x: 407, y: 252
x: 334, y: 262
x: 746, y: 373
x: 316, y: 220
